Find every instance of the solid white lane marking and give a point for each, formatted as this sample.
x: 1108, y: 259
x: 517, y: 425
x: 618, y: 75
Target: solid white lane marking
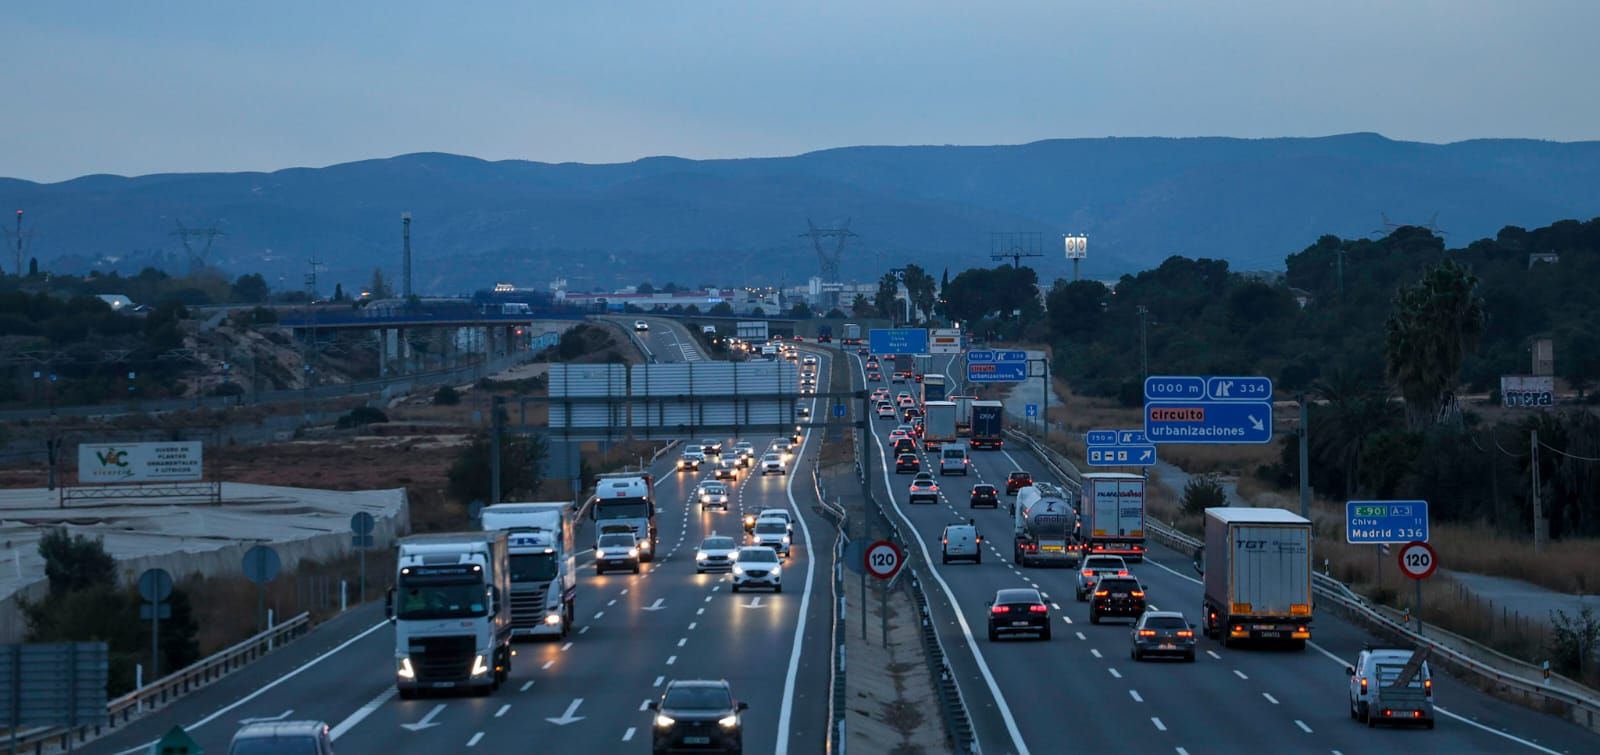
x: 628, y: 735
x: 361, y: 713
x: 1302, y: 725
x: 1115, y: 673
x: 1213, y: 654
x: 502, y: 710
x: 1159, y: 726
x: 1240, y: 674
x: 474, y: 741
x: 786, y: 708
x: 1270, y: 698
x: 1133, y: 693
x: 526, y: 687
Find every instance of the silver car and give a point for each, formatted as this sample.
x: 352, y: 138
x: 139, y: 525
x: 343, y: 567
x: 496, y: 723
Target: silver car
x: 271, y: 738
x: 616, y: 550
x: 713, y: 495
x: 716, y: 553
x: 1095, y: 567
x: 773, y: 533
x: 1163, y: 633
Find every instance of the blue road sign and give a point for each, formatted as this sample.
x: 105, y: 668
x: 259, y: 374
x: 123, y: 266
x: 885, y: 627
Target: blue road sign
x: 898, y: 340
x: 839, y: 410
x: 1170, y: 388
x: 991, y: 366
x: 1100, y: 438
x: 1385, y: 521
x: 1136, y: 455
x: 1202, y: 422
x: 1031, y: 410
x: 1130, y: 437
x: 1239, y: 389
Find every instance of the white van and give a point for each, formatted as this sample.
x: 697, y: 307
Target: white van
x: 961, y: 541
x: 953, y: 460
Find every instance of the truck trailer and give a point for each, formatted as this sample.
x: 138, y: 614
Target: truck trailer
x: 1257, y: 569
x: 1046, y: 525
x: 934, y: 388
x: 852, y: 334
x: 939, y: 423
x: 988, y: 425
x: 963, y: 414
x: 1113, y: 513
x: 451, y: 612
x: 544, y: 568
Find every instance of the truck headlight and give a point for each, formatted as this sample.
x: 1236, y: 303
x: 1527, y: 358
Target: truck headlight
x: 479, y: 666
x: 554, y: 618
x: 406, y: 672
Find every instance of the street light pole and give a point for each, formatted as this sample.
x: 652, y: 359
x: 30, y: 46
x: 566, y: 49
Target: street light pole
x: 1144, y: 345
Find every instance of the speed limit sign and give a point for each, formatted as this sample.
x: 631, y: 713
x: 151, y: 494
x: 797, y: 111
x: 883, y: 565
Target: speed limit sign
x: 884, y: 559
x: 1417, y: 560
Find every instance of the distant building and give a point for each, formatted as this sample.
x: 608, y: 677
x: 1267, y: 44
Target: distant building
x: 1548, y: 258
x: 1301, y: 296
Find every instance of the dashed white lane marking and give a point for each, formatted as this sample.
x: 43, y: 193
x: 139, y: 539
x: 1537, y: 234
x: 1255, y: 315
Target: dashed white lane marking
x: 699, y: 611
x: 628, y: 735
x: 599, y: 614
x: 1270, y: 698
x: 1302, y: 725
x: 1068, y: 618
x: 658, y: 681
x: 548, y: 664
x: 1213, y: 654
x: 1133, y: 693
x: 566, y: 647
x: 1080, y: 635
x: 1240, y: 674
x: 474, y: 741
x: 1159, y: 726
x: 1095, y: 653
x: 692, y: 625
x: 1182, y: 751
x: 708, y: 598
x: 624, y: 591
x: 526, y: 687
x: 1115, y: 673
x: 612, y: 603
x: 683, y: 641
x: 1056, y: 606
x: 502, y: 710
x: 671, y: 659
x: 584, y: 630
x: 644, y: 704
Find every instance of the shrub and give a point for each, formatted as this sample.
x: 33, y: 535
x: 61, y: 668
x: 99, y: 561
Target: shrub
x: 360, y: 416
x: 1203, y: 492
x: 446, y: 396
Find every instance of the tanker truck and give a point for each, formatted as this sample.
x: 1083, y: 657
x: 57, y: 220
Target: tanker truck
x: 1046, y: 526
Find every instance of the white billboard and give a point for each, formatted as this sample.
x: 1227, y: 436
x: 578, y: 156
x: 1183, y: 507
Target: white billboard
x: 944, y: 341
x: 1522, y: 391
x: 139, y: 462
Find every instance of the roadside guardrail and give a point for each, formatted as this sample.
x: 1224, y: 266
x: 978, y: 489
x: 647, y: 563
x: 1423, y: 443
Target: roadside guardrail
x: 836, y: 672
x: 1527, y: 687
x: 170, y: 688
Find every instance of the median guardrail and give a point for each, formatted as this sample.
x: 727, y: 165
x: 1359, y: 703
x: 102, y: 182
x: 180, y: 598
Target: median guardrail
x: 170, y: 688
x: 836, y: 671
x: 1527, y: 686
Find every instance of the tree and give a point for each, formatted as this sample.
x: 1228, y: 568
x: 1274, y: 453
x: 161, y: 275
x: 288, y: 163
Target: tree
x: 250, y: 289
x: 338, y: 292
x: 33, y: 267
x: 888, y: 287
x: 834, y: 314
x: 722, y: 308
x: 521, y: 468
x: 1433, y: 324
x: 75, y: 562
x: 800, y: 311
x: 1203, y: 491
x: 862, y: 306
x: 645, y: 288
x: 1580, y: 364
x: 446, y: 396
x: 379, y: 289
x: 1077, y: 309
x: 921, y: 288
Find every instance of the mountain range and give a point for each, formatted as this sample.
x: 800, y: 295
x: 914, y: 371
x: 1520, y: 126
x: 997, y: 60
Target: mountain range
x: 735, y: 221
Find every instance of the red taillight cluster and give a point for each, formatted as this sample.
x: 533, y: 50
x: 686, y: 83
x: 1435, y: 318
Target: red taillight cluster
x: 997, y: 609
x: 1101, y: 593
x: 1037, y: 608
x: 1185, y: 633
x: 1147, y: 633
x: 1088, y: 572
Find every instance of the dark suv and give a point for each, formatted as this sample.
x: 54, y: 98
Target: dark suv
x: 1019, y: 610
x: 985, y: 495
x: 1018, y: 480
x: 907, y: 463
x: 1116, y: 596
x: 697, y: 716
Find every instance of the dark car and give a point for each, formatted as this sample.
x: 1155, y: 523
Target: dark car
x: 907, y: 463
x: 863, y: 351
x: 985, y: 495
x: 910, y: 413
x: 1018, y: 480
x: 874, y: 375
x: 905, y: 446
x: 1163, y: 633
x: 1116, y: 596
x: 1019, y: 610
x: 697, y: 716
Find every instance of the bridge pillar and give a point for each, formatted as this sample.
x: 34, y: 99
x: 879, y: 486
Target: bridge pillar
x: 383, y: 352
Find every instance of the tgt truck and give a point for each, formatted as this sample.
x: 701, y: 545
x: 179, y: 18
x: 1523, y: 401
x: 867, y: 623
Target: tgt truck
x: 1257, y: 569
x: 451, y: 615
x: 544, y: 568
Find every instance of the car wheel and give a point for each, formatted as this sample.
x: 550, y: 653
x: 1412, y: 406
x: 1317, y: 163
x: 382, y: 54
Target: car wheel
x: 1428, y: 723
x: 699, y: 571
x: 777, y: 588
x: 635, y: 568
x: 1361, y: 714
x: 1133, y: 653
x: 1189, y: 658
x: 994, y: 636
x: 1078, y: 594
x: 735, y: 587
x: 944, y: 558
x: 1351, y: 705
x: 1016, y: 556
x: 1094, y: 617
x: 408, y: 694
x: 978, y: 559
x: 1045, y: 635
x: 598, y: 571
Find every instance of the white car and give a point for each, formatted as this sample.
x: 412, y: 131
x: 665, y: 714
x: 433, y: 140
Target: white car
x: 778, y: 514
x: 1095, y: 567
x: 690, y: 461
x: 744, y: 449
x: 961, y: 541
x: 716, y: 553
x: 772, y: 463
x: 773, y: 533
x: 757, y: 566
x: 616, y: 550
x: 810, y: 361
x: 641, y: 326
x: 885, y: 411
x: 1374, y: 696
x: 713, y: 494
x: 782, y: 448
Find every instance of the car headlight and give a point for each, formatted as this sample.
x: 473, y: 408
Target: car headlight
x: 737, y: 569
x: 633, y: 552
x: 479, y: 666
x: 776, y: 570
x: 785, y: 539
x: 701, y: 555
x: 406, y: 672
x: 663, y: 720
x: 728, y: 722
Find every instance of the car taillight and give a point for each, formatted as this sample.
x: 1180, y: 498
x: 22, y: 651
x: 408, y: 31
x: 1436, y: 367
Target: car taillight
x: 1147, y: 633
x: 997, y: 609
x: 1138, y: 593
x: 1122, y: 572
x: 1037, y: 608
x: 1088, y: 572
x: 1101, y: 593
x: 1185, y: 633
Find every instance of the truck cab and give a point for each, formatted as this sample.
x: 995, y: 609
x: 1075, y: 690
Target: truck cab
x: 627, y: 499
x: 451, y: 616
x: 544, y: 581
x: 1391, y: 685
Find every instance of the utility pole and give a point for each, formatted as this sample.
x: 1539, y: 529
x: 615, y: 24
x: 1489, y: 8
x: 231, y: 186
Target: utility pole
x: 21, y: 240
x: 405, y: 233
x: 1144, y: 347
x: 828, y: 262
x: 1305, y: 460
x: 1339, y: 263
x: 1538, y: 500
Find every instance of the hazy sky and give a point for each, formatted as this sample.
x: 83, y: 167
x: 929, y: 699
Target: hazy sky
x: 143, y: 87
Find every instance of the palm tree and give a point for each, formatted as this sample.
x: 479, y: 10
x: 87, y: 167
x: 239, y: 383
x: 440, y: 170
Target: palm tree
x: 1352, y: 415
x: 1434, y: 323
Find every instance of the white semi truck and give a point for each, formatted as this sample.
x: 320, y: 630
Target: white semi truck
x: 1257, y: 569
x: 627, y: 500
x: 451, y: 613
x: 1113, y: 514
x: 544, y: 565
x: 1046, y: 526
x: 939, y: 423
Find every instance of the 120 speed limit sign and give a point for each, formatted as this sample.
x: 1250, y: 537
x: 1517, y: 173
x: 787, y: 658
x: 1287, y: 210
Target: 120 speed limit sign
x: 1417, y: 560
x: 884, y: 559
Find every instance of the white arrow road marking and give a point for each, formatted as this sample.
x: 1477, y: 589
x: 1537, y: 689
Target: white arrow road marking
x: 656, y: 606
x: 427, y: 721
x: 755, y: 602
x: 567, y: 718
x: 267, y: 719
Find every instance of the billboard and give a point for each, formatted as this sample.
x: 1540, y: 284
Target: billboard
x: 1521, y: 391
x: 138, y: 462
x: 945, y: 341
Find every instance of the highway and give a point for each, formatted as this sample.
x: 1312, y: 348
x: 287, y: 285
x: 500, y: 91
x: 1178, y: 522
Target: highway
x: 665, y: 341
x: 586, y: 693
x: 1082, y: 692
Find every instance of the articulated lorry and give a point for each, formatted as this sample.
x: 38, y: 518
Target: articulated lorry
x: 934, y: 388
x: 1046, y: 524
x: 852, y: 334
x: 544, y: 566
x: 938, y: 424
x: 1113, y: 513
x: 1257, y: 569
x: 988, y: 424
x: 963, y: 414
x: 627, y: 501
x: 451, y: 615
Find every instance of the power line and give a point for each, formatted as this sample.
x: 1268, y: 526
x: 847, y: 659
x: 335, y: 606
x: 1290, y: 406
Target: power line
x: 1564, y: 453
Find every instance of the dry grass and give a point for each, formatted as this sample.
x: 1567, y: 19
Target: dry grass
x: 225, y: 607
x: 1237, y: 461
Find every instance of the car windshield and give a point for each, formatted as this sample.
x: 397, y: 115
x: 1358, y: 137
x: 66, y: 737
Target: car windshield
x: 762, y: 555
x: 274, y: 745
x: 440, y: 601
x: 698, y: 698
x: 716, y: 490
x: 1165, y: 622
x: 534, y: 567
x: 771, y: 528
x: 616, y: 541
x: 770, y: 457
x: 691, y: 450
x: 717, y: 544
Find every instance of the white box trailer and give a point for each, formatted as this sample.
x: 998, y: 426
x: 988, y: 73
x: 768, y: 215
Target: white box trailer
x: 939, y: 424
x: 1257, y: 569
x: 754, y: 331
x: 544, y: 569
x: 1113, y: 512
